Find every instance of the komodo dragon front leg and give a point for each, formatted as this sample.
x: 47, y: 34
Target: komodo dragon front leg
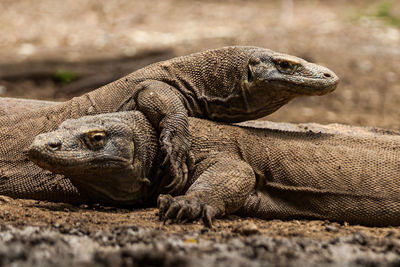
x: 164, y: 107
x: 221, y: 186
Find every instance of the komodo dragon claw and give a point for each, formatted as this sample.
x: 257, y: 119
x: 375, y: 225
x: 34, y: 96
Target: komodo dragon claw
x: 184, y: 208
x: 163, y: 202
x: 177, y: 184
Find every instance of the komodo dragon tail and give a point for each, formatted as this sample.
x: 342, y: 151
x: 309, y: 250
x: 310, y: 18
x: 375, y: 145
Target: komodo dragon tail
x: 20, y: 178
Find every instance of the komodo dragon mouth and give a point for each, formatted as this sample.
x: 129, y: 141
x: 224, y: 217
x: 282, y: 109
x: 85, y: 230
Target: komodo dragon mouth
x: 74, y: 161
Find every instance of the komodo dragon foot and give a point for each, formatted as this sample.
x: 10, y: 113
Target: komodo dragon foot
x: 185, y: 208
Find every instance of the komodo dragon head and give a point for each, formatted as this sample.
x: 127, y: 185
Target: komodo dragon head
x: 108, y: 157
x: 289, y: 73
x: 263, y: 81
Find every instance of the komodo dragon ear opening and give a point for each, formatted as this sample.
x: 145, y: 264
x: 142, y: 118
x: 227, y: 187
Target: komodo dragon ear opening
x: 249, y: 74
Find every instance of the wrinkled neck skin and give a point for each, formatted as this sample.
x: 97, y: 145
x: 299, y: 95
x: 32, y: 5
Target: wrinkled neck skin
x: 118, y: 188
x: 220, y: 94
x: 222, y: 72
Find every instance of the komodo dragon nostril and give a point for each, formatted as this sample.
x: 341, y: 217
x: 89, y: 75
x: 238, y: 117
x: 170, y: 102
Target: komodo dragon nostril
x: 54, y: 145
x: 327, y: 75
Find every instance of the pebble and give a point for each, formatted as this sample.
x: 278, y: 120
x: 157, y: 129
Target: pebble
x: 331, y: 228
x: 248, y: 228
x: 3, y: 89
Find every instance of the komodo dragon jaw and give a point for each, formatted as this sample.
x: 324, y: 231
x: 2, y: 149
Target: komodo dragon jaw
x: 87, y: 148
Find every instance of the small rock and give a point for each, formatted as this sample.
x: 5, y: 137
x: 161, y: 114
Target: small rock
x: 3, y: 89
x: 204, y: 230
x: 5, y: 199
x: 331, y: 228
x: 390, y: 234
x: 190, y: 241
x: 26, y: 49
x: 248, y: 228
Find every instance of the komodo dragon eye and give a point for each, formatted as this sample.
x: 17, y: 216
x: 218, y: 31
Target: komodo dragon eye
x: 95, y: 139
x: 286, y: 66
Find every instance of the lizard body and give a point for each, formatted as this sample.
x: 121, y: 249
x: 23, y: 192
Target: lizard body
x: 227, y: 84
x: 283, y: 171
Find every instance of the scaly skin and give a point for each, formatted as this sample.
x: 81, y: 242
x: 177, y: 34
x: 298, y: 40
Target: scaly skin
x: 13, y: 106
x: 282, y: 171
x: 229, y: 84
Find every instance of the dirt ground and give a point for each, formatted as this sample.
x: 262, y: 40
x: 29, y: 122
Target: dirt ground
x: 44, y: 45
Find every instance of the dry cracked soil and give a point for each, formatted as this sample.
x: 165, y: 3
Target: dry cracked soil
x: 37, y: 233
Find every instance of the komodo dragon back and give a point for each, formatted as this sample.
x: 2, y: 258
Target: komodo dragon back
x: 342, y: 177
x: 333, y: 172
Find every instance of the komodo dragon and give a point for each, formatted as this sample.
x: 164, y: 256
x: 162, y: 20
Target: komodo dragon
x: 229, y: 84
x: 336, y: 172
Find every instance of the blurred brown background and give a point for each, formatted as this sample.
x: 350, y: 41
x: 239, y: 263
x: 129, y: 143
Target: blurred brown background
x: 57, y: 49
